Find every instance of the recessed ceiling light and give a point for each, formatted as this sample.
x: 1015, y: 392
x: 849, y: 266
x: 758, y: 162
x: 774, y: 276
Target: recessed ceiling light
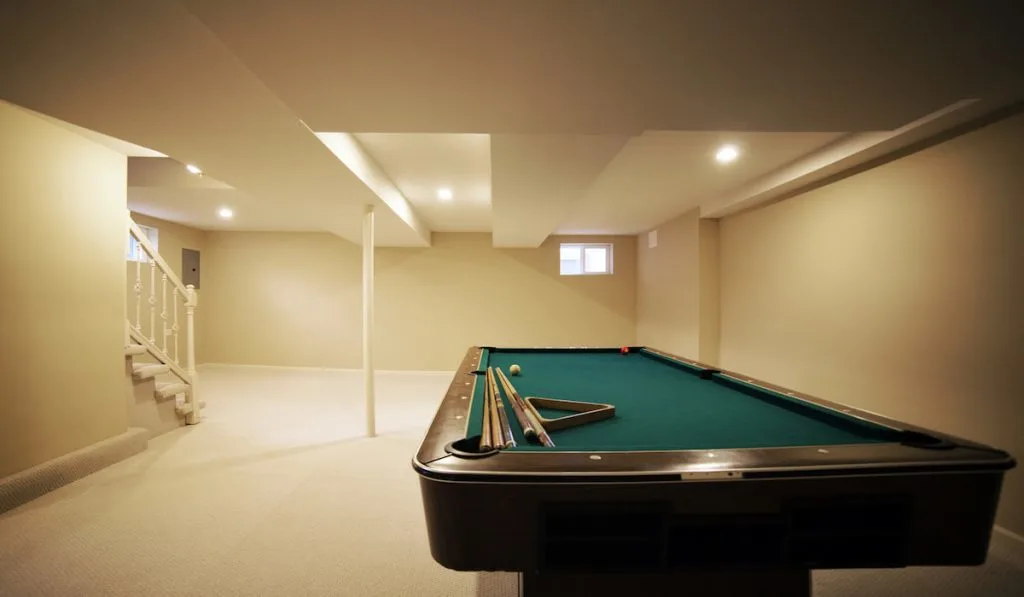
x: 444, y: 194
x: 194, y: 169
x: 225, y: 213
x: 727, y: 154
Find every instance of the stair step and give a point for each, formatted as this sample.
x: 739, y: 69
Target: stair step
x: 134, y: 350
x: 166, y: 390
x: 183, y: 408
x: 137, y: 367
x: 149, y: 370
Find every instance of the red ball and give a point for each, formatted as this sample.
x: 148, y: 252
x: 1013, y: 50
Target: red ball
x: 624, y: 350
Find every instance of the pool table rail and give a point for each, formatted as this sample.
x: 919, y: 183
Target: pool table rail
x: 836, y: 407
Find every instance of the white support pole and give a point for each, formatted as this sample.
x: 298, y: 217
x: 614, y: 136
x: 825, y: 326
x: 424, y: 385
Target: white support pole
x: 371, y: 424
x: 194, y: 416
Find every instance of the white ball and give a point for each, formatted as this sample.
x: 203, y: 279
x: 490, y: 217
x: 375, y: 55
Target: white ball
x: 514, y: 369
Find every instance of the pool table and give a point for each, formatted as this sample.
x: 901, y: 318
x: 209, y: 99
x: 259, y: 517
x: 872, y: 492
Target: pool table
x: 703, y: 478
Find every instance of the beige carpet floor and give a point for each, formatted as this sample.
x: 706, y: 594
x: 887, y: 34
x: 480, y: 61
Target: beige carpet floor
x: 279, y: 493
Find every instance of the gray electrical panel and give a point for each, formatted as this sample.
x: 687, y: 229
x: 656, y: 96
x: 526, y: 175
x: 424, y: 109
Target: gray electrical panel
x: 190, y: 267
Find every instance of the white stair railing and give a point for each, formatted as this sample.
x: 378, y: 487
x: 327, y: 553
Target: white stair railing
x: 182, y: 298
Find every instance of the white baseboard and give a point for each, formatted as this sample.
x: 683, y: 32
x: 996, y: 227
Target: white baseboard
x: 1008, y: 533
x: 321, y: 369
x: 270, y: 367
x: 414, y: 372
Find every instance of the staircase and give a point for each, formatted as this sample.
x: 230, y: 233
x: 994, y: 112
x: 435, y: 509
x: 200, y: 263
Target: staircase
x: 145, y: 371
x: 157, y: 399
x: 162, y: 395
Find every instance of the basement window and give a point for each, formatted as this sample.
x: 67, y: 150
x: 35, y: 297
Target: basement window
x: 585, y: 259
x: 135, y: 251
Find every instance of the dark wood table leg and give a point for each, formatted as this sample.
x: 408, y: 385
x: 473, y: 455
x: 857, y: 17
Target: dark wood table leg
x: 695, y: 583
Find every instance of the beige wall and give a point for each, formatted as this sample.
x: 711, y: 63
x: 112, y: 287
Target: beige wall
x: 677, y: 288
x: 172, y: 239
x: 668, y: 277
x: 285, y: 299
x: 62, y: 210
x: 295, y: 299
x: 434, y: 303
x: 898, y: 290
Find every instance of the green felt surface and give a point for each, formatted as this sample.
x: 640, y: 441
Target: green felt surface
x: 664, y: 405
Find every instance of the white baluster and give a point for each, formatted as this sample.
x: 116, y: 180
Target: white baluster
x: 163, y: 309
x: 190, y: 307
x: 174, y: 325
x: 138, y: 294
x: 152, y: 301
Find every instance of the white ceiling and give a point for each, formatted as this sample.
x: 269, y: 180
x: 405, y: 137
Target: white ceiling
x: 168, y: 173
x: 153, y: 74
x: 659, y: 175
x: 538, y: 178
x: 198, y: 208
x: 422, y: 163
x: 123, y: 147
x: 598, y: 117
x: 619, y: 66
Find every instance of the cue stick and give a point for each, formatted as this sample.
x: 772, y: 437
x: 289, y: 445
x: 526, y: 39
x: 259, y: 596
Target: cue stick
x: 486, y: 441
x: 517, y: 409
x: 497, y: 437
x: 510, y: 440
x: 506, y: 429
x: 531, y: 414
x: 542, y: 434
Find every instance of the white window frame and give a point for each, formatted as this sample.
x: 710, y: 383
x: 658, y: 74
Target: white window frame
x: 609, y: 261
x: 135, y: 251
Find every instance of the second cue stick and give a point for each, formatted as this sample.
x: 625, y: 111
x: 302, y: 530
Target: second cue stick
x: 497, y: 436
x: 506, y: 429
x: 486, y: 442
x: 542, y: 433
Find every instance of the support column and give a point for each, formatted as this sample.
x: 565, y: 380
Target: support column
x: 195, y: 415
x: 371, y: 423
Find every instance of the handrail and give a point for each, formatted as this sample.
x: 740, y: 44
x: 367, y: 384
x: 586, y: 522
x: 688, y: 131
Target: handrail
x: 150, y: 250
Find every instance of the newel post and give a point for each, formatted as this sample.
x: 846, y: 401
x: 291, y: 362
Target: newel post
x: 194, y: 416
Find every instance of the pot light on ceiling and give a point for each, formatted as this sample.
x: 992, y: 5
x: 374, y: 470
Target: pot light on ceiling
x: 194, y: 169
x: 444, y: 194
x: 225, y: 213
x: 727, y: 154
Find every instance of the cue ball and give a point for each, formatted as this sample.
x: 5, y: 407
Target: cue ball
x: 514, y: 369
